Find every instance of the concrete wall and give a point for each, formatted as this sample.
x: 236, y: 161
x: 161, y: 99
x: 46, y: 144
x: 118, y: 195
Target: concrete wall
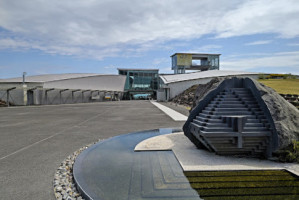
x: 38, y: 97
x: 177, y: 88
x: 16, y: 96
x: 161, y: 94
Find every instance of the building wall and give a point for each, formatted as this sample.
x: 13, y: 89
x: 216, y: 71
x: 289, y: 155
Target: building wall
x: 161, y: 94
x: 16, y: 96
x: 104, y: 82
x: 38, y: 96
x: 177, y: 88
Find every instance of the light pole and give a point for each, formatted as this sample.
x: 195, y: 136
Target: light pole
x: 24, y: 74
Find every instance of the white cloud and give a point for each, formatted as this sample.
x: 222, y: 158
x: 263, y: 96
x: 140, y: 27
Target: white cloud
x: 98, y: 29
x: 158, y: 61
x: 110, y: 67
x: 259, y: 42
x: 205, y: 49
x: 13, y: 44
x: 267, y: 63
x: 261, y: 16
x: 293, y: 44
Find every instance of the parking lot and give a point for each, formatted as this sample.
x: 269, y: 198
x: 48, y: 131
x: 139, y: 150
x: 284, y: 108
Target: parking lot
x: 34, y: 140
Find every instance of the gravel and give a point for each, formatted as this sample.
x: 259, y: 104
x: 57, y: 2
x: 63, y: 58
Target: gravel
x: 64, y: 184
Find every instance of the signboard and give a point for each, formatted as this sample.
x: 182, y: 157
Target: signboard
x: 184, y: 60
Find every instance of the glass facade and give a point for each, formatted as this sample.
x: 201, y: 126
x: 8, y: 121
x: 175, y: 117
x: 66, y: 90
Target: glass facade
x: 140, y: 81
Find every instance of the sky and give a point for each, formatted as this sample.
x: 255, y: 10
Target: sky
x: 99, y: 36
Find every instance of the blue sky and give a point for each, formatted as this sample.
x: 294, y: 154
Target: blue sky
x: 99, y: 36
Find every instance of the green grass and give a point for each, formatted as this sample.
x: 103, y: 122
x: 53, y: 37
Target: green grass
x: 282, y: 86
x: 242, y: 185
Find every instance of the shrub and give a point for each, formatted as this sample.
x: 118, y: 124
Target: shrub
x: 290, y: 153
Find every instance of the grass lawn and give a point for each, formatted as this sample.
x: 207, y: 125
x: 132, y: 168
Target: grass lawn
x: 282, y: 86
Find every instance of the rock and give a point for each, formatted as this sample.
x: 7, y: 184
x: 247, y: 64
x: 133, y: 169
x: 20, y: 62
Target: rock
x: 59, y: 189
x: 284, y: 114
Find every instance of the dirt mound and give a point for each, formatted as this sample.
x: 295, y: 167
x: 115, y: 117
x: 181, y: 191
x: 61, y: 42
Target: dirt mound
x: 192, y: 95
x: 186, y: 98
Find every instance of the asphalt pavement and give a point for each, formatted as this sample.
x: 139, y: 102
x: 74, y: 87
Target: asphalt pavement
x: 34, y: 140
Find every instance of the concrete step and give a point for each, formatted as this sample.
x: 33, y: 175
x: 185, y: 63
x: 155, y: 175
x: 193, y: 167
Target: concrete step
x: 247, y: 98
x: 240, y: 105
x: 233, y: 109
x: 208, y: 116
x: 253, y: 120
x: 231, y: 147
x: 212, y: 129
x: 239, y: 89
x: 218, y: 129
x: 220, y: 102
x: 254, y: 125
x: 209, y: 124
x: 239, y: 94
x: 235, y: 134
x: 256, y: 109
x: 225, y: 93
x: 235, y: 112
x: 226, y: 102
x: 218, y: 123
x: 204, y: 115
x: 254, y: 129
x: 240, y: 152
x: 226, y: 96
x: 248, y: 102
x: 203, y: 119
x: 226, y: 99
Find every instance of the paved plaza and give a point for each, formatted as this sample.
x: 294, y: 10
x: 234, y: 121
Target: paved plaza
x: 34, y: 140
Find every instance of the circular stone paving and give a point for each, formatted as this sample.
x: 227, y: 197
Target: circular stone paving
x: 112, y: 170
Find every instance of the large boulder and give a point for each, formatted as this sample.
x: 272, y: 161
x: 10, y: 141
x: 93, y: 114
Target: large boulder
x: 285, y: 116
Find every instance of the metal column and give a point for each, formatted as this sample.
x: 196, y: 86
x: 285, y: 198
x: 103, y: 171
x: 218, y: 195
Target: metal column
x: 46, y: 94
x: 73, y: 91
x: 60, y: 96
x: 7, y: 95
x: 83, y: 94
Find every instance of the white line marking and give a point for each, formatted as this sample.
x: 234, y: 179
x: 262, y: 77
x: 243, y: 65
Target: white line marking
x: 24, y: 148
x: 176, y: 116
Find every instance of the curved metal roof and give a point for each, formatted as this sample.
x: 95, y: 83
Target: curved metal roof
x: 171, y: 78
x: 51, y: 77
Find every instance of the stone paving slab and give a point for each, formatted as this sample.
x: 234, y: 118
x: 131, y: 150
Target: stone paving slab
x: 176, y: 116
x: 193, y: 159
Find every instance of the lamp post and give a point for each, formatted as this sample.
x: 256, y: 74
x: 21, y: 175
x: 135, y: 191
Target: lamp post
x: 24, y: 74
